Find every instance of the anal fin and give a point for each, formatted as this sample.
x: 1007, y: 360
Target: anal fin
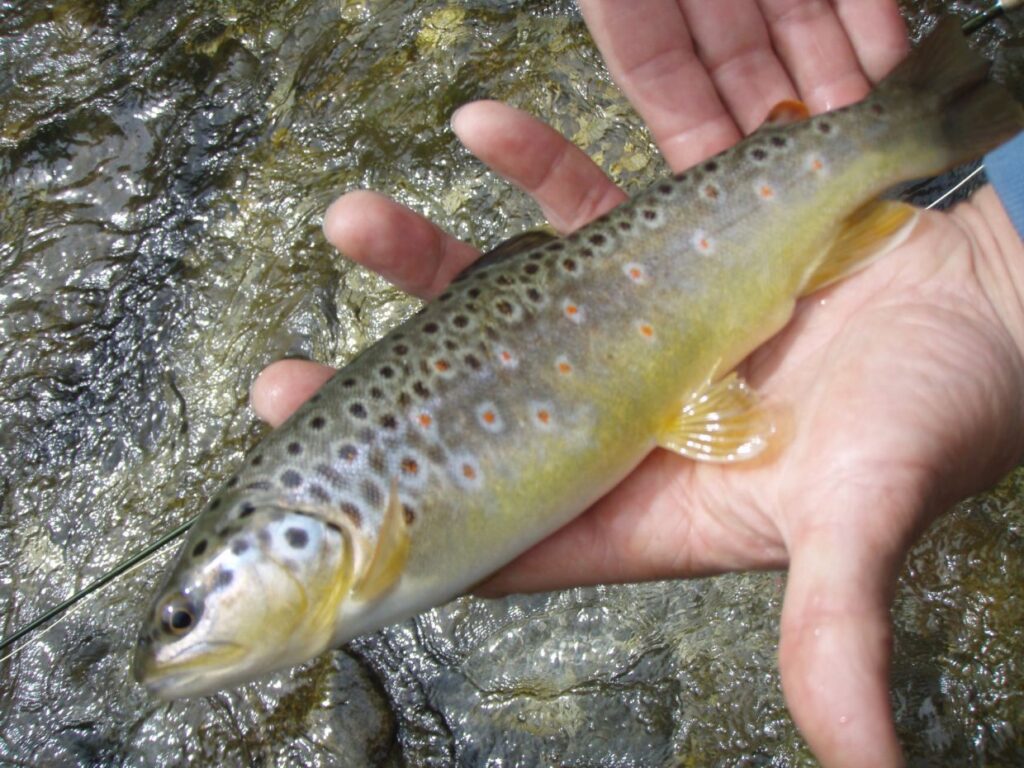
x: 388, y: 561
x: 724, y: 422
x: 869, y: 232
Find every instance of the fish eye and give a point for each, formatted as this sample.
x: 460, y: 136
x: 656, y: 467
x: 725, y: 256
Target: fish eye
x: 177, y: 615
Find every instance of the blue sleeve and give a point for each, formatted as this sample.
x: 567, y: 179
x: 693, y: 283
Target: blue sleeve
x: 1005, y: 169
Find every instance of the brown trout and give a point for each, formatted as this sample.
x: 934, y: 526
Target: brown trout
x: 543, y: 376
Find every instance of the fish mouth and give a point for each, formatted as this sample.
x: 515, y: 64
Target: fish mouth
x: 209, y: 668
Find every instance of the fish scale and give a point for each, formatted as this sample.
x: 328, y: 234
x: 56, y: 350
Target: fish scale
x: 543, y: 376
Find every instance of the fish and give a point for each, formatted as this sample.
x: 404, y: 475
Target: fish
x: 545, y: 374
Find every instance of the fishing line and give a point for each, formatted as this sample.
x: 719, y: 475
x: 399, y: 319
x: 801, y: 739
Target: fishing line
x: 125, y: 566
x: 955, y: 187
x: 131, y: 563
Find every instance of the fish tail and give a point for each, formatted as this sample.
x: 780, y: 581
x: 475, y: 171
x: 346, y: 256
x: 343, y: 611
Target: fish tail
x: 968, y: 114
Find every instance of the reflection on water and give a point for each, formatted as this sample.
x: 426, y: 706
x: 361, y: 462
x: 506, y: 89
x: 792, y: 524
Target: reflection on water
x: 164, y: 169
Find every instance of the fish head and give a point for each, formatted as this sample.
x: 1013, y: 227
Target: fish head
x: 254, y: 590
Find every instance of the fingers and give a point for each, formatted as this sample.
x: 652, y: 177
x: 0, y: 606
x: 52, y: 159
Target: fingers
x: 817, y: 52
x: 835, y: 648
x: 877, y: 33
x: 283, y: 386
x: 403, y: 246
x: 568, y: 186
x: 651, y: 526
x: 649, y: 52
x: 736, y: 49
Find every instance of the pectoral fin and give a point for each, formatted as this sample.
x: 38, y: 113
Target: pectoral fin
x: 869, y: 232
x: 388, y: 562
x: 725, y: 422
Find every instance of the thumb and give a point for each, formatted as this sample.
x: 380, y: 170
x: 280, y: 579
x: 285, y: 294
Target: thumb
x: 835, y: 647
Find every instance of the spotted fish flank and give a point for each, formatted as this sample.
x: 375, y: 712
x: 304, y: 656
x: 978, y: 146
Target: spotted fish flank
x: 543, y: 375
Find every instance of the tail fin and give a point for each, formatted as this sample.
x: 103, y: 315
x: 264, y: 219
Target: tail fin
x: 977, y: 114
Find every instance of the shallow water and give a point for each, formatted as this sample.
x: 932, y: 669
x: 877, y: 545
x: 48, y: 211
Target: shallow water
x: 163, y: 171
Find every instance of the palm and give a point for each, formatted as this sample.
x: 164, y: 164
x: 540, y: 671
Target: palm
x: 897, y: 389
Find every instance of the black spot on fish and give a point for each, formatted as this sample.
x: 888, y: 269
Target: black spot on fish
x: 534, y: 295
x: 378, y: 462
x: 247, y: 509
x: 710, y: 166
x: 556, y: 246
x: 779, y: 141
x: 404, y: 399
x: 348, y: 452
x: 259, y: 485
x: 348, y: 383
x: 472, y: 361
x: 431, y: 328
x: 376, y: 393
x: 824, y: 127
x: 409, y: 514
x: 257, y: 460
x: 401, y: 349
x: 199, y: 548
x: 318, y: 493
x: 536, y: 256
x: 317, y: 422
x: 358, y: 410
x: 460, y: 321
x: 758, y: 154
x: 371, y: 492
x: 663, y: 189
x: 877, y: 109
x: 239, y: 546
x: 387, y: 371
x: 504, y: 307
x: 473, y: 293
x: 681, y: 176
x: 421, y: 389
x: 587, y: 253
x: 223, y: 578
x: 598, y: 239
x: 294, y: 448
x: 232, y: 481
x: 490, y: 333
x: 291, y: 479
x: 215, y: 503
x: 316, y: 398
x: 297, y: 538
x: 332, y: 475
x: 451, y: 345
x: 625, y: 226
x: 531, y: 269
x: 351, y: 511
x: 569, y: 265
x: 650, y: 214
x: 388, y: 421
x: 503, y: 280
x: 445, y: 296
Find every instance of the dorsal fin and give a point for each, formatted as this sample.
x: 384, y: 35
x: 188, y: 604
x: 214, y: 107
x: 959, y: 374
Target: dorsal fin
x: 524, y: 241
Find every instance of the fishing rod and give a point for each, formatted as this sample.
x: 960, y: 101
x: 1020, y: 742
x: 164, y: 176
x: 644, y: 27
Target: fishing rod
x: 998, y: 8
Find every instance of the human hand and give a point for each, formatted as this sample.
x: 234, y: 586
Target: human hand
x: 902, y: 382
